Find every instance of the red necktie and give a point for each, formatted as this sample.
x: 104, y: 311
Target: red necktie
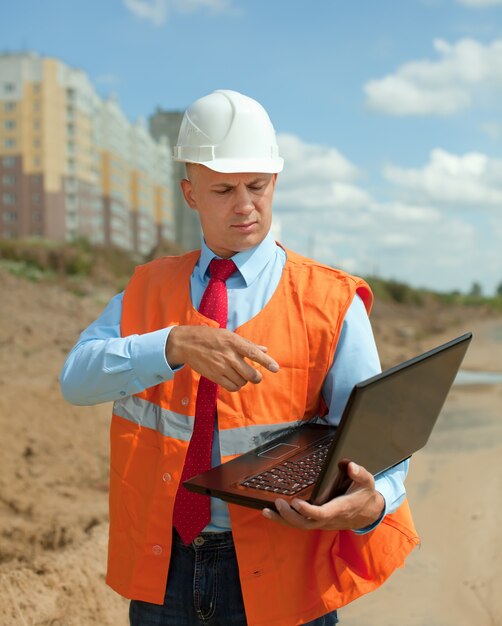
x: 192, y: 510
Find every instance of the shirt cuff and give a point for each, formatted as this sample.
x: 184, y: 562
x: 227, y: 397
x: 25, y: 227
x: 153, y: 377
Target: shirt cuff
x: 148, y: 358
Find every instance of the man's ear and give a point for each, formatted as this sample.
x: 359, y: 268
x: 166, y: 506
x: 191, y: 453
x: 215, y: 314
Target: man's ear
x: 187, y: 190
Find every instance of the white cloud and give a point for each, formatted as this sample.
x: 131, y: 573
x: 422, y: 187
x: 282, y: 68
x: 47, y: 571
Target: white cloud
x: 397, y: 95
x: 453, y: 206
x: 472, y: 180
x: 441, y: 251
x: 397, y: 240
x: 416, y: 244
x: 318, y: 196
x: 441, y: 87
x: 493, y: 130
x: 109, y: 80
x: 414, y: 234
x: 316, y: 177
x: 188, y: 6
x: 401, y: 212
x: 303, y: 161
x: 480, y: 4
x: 156, y: 11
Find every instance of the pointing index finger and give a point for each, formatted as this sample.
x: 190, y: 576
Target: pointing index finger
x: 258, y: 355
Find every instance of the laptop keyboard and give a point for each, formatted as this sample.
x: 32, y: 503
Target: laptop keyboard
x: 290, y: 477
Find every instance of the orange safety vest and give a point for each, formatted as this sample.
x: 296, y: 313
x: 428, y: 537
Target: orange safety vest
x: 288, y: 576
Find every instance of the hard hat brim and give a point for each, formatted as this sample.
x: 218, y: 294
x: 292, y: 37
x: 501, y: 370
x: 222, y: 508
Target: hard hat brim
x: 233, y: 166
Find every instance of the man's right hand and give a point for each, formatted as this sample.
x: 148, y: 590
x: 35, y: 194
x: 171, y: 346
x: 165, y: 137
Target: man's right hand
x: 218, y: 354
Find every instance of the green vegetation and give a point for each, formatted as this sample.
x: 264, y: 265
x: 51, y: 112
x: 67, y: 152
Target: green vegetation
x: 37, y: 259
x: 395, y: 291
x: 79, y: 263
x: 45, y: 260
x: 23, y: 269
x: 473, y: 300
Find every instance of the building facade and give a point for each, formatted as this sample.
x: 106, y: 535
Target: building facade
x: 187, y: 227
x: 72, y: 165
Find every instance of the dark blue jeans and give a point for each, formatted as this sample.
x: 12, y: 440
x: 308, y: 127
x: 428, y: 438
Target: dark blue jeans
x: 201, y: 588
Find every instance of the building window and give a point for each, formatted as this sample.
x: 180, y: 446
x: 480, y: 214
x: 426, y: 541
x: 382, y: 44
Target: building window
x: 9, y: 87
x: 37, y: 161
x: 9, y: 124
x: 36, y: 124
x: 36, y: 143
x: 9, y: 143
x: 9, y: 198
x: 9, y: 217
x: 36, y: 105
x: 8, y: 161
x: 9, y: 179
x: 35, y: 198
x: 71, y: 202
x: 9, y: 106
x: 37, y: 216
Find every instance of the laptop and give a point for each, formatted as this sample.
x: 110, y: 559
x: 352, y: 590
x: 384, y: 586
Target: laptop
x: 387, y: 418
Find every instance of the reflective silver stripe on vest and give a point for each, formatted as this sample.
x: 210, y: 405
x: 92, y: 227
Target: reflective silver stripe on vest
x: 150, y: 415
x: 240, y: 440
x: 178, y: 426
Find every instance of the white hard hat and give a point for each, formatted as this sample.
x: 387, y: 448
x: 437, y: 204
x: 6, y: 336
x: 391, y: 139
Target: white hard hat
x: 228, y: 132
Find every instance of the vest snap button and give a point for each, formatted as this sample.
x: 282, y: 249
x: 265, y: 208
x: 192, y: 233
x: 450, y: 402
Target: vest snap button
x: 199, y: 541
x: 185, y: 401
x: 157, y: 550
x: 166, y: 477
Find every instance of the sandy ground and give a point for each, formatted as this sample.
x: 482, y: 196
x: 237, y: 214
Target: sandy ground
x: 54, y: 474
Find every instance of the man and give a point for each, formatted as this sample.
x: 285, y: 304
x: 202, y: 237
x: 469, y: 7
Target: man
x: 208, y: 355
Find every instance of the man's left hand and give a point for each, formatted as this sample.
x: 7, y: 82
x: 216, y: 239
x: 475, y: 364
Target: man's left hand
x: 361, y: 506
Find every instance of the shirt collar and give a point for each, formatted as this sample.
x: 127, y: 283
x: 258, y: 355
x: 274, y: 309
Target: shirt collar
x: 250, y: 263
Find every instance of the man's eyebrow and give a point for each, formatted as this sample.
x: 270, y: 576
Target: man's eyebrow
x: 227, y: 185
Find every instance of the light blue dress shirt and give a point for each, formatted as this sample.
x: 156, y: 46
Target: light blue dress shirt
x: 103, y: 366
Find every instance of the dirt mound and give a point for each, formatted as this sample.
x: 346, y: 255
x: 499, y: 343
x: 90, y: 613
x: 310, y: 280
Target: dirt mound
x: 54, y: 466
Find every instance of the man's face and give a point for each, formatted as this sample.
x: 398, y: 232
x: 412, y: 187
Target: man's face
x: 235, y: 210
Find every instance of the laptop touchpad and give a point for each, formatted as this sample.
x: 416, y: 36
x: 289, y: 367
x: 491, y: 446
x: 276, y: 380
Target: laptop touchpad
x: 278, y: 451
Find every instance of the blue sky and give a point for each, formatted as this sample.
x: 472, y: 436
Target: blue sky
x: 389, y: 114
